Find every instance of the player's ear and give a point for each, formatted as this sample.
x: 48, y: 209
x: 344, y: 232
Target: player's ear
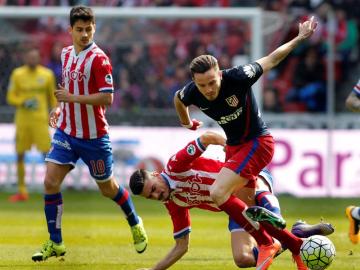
x: 70, y: 29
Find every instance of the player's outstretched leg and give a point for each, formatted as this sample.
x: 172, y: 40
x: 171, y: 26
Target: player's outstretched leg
x: 258, y: 213
x: 139, y: 236
x: 49, y: 249
x: 353, y: 225
x: 303, y: 230
x: 123, y: 199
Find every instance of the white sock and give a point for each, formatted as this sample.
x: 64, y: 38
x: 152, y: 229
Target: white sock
x: 355, y: 213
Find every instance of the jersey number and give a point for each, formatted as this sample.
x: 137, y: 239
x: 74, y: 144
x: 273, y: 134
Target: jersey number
x: 97, y: 166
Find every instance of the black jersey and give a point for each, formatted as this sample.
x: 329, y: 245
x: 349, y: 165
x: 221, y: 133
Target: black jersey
x: 235, y: 109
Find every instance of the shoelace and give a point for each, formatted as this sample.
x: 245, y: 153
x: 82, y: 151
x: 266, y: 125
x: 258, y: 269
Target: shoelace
x: 138, y: 235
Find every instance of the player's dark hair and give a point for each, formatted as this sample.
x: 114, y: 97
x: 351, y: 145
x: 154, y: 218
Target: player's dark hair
x: 81, y: 13
x: 137, y: 181
x: 202, y: 63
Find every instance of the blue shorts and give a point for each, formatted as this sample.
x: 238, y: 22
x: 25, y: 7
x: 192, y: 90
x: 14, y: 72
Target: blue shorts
x: 96, y: 153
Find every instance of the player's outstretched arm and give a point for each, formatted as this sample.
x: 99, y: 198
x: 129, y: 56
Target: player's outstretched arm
x: 99, y: 99
x: 353, y: 102
x: 180, y: 248
x: 306, y: 29
x: 214, y: 138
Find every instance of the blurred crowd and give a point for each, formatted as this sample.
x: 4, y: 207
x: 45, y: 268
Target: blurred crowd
x: 151, y: 56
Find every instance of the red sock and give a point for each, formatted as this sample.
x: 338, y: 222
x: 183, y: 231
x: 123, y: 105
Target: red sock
x: 234, y: 207
x: 292, y: 242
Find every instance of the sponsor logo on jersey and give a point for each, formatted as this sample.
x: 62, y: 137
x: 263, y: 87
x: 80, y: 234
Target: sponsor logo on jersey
x: 232, y: 101
x: 195, y: 187
x: 191, y: 149
x: 108, y: 79
x: 73, y: 75
x: 228, y: 118
x: 249, y: 70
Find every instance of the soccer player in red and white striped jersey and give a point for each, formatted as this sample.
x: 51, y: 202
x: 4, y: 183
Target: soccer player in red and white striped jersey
x: 82, y: 132
x: 185, y: 184
x: 87, y: 73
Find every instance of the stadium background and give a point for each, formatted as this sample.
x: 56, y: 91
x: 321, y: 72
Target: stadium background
x: 317, y: 153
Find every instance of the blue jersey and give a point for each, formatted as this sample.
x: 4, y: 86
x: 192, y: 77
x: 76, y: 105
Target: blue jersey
x: 235, y: 109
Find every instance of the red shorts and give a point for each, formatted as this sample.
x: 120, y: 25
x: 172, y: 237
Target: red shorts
x: 248, y: 159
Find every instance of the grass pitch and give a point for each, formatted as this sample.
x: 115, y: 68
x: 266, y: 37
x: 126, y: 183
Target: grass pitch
x: 98, y: 237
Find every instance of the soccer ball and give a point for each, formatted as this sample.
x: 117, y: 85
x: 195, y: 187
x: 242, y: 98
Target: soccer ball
x: 317, y: 252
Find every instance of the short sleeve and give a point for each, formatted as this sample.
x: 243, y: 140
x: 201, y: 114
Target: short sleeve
x: 248, y: 74
x: 102, y: 71
x: 180, y: 217
x: 186, y: 94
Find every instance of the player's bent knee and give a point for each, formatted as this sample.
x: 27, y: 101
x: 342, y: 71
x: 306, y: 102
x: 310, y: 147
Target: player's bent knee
x: 51, y: 185
x: 244, y: 261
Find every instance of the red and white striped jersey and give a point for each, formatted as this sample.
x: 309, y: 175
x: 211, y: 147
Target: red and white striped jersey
x: 87, y: 73
x: 189, y: 177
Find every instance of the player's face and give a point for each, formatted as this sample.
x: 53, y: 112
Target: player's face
x: 82, y: 33
x: 208, y: 83
x: 32, y: 58
x: 156, y: 188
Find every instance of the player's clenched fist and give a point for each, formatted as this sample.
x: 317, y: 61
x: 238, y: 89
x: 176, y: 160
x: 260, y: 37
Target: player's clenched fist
x: 54, y: 115
x: 63, y: 95
x: 194, y: 124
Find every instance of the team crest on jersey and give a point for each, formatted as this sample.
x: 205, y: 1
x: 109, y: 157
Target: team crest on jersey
x: 232, y: 101
x: 249, y: 70
x: 108, y: 79
x: 191, y: 150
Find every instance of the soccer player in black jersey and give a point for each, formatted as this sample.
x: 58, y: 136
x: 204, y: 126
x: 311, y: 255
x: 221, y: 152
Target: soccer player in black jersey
x: 226, y: 97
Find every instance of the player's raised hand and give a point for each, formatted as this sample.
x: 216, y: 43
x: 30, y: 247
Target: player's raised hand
x: 54, y: 116
x: 62, y: 94
x: 194, y: 124
x: 307, y: 28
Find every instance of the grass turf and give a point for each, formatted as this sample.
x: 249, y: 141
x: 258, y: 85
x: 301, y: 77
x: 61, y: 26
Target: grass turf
x: 98, y: 237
